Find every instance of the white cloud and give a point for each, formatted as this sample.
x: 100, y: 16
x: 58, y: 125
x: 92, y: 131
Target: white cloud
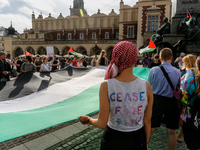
x: 21, y: 16
x: 4, y: 3
x: 19, y: 22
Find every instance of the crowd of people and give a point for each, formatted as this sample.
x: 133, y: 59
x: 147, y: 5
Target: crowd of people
x: 131, y: 108
x: 19, y: 66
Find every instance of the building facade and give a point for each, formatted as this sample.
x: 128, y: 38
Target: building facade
x: 90, y: 34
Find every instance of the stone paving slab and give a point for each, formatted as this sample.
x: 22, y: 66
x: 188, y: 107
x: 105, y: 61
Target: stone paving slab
x: 42, y: 142
x: 20, y: 147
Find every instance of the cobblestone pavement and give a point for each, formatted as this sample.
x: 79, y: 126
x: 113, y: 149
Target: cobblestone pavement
x: 90, y: 139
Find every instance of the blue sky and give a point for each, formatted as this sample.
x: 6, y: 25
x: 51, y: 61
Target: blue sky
x: 19, y: 11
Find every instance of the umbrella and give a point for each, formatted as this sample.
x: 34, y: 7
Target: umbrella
x: 58, y: 56
x: 22, y: 55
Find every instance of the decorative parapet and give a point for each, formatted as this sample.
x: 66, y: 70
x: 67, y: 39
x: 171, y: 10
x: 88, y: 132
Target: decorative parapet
x: 68, y: 42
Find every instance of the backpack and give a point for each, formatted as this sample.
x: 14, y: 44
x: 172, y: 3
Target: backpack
x: 193, y: 119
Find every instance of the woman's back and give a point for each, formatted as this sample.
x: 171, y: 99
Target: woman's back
x: 128, y: 101
x: 102, y: 61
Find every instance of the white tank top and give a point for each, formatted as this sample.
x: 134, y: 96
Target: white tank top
x: 128, y: 101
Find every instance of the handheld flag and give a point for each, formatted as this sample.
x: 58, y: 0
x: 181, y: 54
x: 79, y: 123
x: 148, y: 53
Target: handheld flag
x: 190, y: 19
x: 28, y: 54
x: 74, y: 53
x: 151, y: 47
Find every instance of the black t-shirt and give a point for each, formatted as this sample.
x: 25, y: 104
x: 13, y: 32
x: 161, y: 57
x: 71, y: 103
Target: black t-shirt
x: 19, y: 62
x: 38, y: 63
x: 55, y: 67
x: 84, y: 63
x: 155, y: 64
x: 62, y: 63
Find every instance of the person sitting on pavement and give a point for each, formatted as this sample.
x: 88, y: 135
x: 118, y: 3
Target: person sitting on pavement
x: 164, y: 101
x: 125, y: 103
x: 46, y: 66
x: 28, y: 65
x: 5, y: 68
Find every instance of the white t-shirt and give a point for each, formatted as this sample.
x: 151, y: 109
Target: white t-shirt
x: 128, y: 102
x: 79, y: 64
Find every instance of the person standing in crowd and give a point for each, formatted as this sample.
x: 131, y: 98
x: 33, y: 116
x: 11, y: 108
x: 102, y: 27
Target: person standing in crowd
x: 69, y: 63
x: 80, y: 63
x: 62, y: 62
x: 125, y: 103
x: 5, y: 68
x: 28, y: 65
x: 102, y: 61
x: 189, y: 64
x: 156, y: 61
x: 93, y: 62
x: 46, y: 66
x: 55, y: 64
x: 179, y: 60
x: 74, y: 61
x: 19, y: 64
x: 191, y: 134
x: 85, y: 62
x: 146, y: 61
x: 164, y: 100
x: 38, y: 63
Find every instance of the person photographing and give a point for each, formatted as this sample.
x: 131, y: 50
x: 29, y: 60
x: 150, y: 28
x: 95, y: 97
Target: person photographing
x: 4, y: 68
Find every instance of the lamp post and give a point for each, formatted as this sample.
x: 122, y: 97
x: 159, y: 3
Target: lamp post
x: 96, y: 49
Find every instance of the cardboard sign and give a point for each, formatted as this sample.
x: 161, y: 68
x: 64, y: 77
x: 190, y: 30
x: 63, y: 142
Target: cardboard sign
x: 50, y: 51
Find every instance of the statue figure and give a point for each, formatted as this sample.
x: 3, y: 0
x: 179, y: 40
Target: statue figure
x: 164, y: 29
x: 193, y: 30
x: 78, y: 4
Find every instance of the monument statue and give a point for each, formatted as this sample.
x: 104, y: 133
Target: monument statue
x: 164, y: 29
x: 192, y: 30
x: 78, y: 4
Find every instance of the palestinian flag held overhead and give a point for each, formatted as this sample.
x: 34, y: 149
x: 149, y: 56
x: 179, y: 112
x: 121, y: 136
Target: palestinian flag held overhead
x: 74, y: 53
x: 190, y: 19
x: 28, y: 54
x: 151, y: 47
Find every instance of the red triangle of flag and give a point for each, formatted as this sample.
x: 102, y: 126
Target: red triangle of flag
x: 188, y: 14
x: 71, y: 50
x: 28, y: 54
x: 151, y: 44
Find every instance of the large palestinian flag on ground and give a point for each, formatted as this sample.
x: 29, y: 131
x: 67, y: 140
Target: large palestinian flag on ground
x: 38, y: 101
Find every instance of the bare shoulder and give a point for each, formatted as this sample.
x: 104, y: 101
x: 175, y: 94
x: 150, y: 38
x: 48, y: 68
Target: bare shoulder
x: 104, y: 84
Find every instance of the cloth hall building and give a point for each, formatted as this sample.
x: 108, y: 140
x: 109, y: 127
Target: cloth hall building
x: 91, y: 34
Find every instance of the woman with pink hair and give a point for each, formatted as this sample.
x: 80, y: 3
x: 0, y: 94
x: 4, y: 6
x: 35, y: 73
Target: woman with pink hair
x: 125, y: 103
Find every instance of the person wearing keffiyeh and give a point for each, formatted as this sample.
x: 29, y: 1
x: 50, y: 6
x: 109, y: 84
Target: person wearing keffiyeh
x: 125, y: 103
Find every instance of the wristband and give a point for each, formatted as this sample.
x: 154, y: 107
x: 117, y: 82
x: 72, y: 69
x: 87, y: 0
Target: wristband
x: 89, y: 120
